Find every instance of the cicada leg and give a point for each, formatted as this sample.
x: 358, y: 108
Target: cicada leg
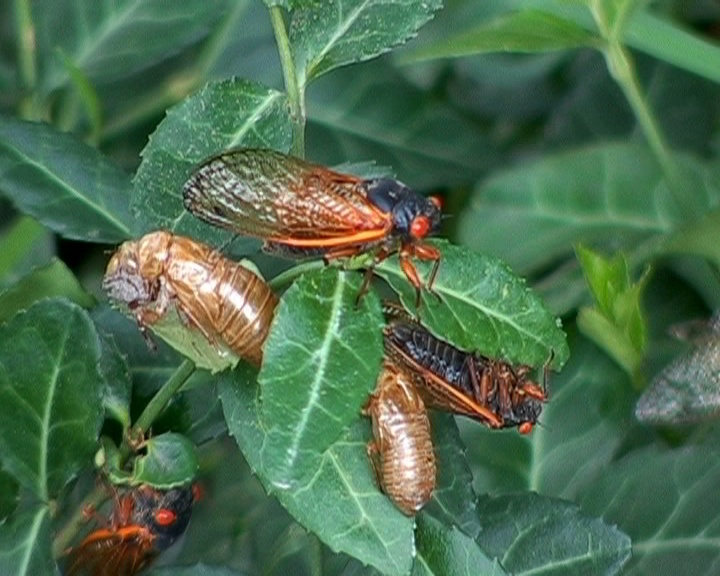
x: 430, y: 253
x: 423, y: 252
x: 382, y: 254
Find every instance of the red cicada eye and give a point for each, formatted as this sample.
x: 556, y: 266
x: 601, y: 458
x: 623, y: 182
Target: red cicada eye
x: 436, y: 201
x: 525, y: 428
x: 165, y: 517
x: 420, y: 227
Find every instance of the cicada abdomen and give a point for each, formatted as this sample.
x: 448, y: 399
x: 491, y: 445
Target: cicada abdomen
x: 301, y: 209
x: 144, y: 522
x: 494, y: 392
x: 401, y: 450
x: 224, y: 300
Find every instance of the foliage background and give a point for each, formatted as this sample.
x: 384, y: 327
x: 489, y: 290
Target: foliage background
x: 545, y: 124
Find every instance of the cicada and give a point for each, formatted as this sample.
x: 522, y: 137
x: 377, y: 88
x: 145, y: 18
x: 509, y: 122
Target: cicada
x: 302, y: 210
x: 492, y: 391
x: 401, y: 451
x: 143, y: 523
x: 222, y: 299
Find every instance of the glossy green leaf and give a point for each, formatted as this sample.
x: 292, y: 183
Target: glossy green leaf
x: 453, y: 501
x: 51, y: 280
x: 50, y: 395
x: 340, y: 503
x: 116, y: 375
x: 110, y: 41
x: 482, y: 307
x: 393, y: 122
x: 65, y: 184
x: 585, y: 195
x: 170, y: 461
x: 320, y: 364
x: 326, y: 35
x: 443, y: 551
x: 25, y: 543
x: 687, y: 390
x: 8, y: 494
x: 666, y: 501
x: 522, y: 31
x: 531, y: 534
x: 223, y: 115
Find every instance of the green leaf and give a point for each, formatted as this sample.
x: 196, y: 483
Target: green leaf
x: 326, y: 35
x: 587, y: 195
x: 453, y: 501
x: 533, y: 534
x: 618, y: 323
x: 17, y: 243
x: 484, y: 307
x: 170, y: 461
x: 321, y: 360
x: 25, y: 543
x: 523, y: 31
x: 50, y: 395
x: 340, y: 503
x: 195, y: 570
x: 8, y: 494
x: 666, y: 501
x: 448, y: 552
x: 696, y: 239
x: 110, y: 41
x: 396, y: 124
x: 232, y: 113
x: 65, y: 184
x: 51, y: 280
x: 687, y: 390
x: 116, y: 375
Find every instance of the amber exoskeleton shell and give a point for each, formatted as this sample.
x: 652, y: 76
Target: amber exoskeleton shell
x: 492, y: 391
x: 143, y: 523
x: 401, y: 450
x: 222, y: 299
x: 302, y: 209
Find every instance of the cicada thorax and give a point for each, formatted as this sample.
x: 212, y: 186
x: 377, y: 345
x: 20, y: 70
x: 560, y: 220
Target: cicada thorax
x: 303, y: 210
x: 143, y: 523
x: 401, y: 450
x: 491, y: 391
x: 228, y: 303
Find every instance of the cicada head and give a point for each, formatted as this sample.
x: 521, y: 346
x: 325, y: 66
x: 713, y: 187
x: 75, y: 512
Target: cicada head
x: 166, y: 513
x: 414, y: 216
x: 133, y: 271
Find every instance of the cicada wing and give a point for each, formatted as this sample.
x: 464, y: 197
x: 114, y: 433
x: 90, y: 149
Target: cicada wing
x: 270, y: 195
x: 104, y: 552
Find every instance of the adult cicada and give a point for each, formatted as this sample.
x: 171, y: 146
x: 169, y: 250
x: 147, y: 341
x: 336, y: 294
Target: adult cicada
x: 225, y: 301
x: 401, y: 451
x: 144, y: 522
x: 302, y: 210
x: 495, y: 392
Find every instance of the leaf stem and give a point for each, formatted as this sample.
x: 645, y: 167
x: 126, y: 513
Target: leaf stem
x: 162, y: 397
x: 26, y: 55
x: 66, y: 534
x: 622, y: 69
x: 289, y: 275
x: 296, y: 96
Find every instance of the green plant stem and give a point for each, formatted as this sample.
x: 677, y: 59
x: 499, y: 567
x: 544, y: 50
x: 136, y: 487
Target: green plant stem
x: 26, y: 56
x: 161, y: 399
x: 296, y: 96
x: 623, y: 71
x: 66, y: 534
x: 289, y: 275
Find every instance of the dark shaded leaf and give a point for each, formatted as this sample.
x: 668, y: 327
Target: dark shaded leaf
x: 17, y: 243
x: 67, y: 185
x: 531, y: 534
x: 25, y: 543
x: 340, y: 503
x: 50, y: 395
x: 666, y: 501
x: 320, y: 364
x: 223, y: 115
x: 51, y: 280
x: 196, y: 570
x: 326, y: 35
x: 444, y: 551
x: 484, y: 308
x: 116, y: 375
x: 8, y: 494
